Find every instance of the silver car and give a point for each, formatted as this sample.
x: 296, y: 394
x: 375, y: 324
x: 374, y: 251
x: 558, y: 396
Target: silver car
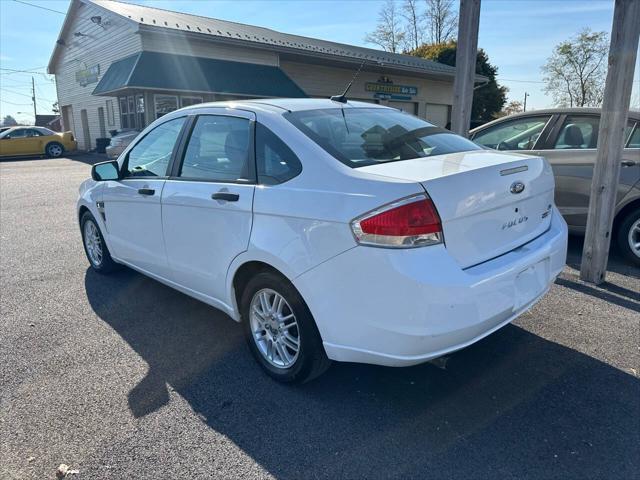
x: 567, y: 138
x: 119, y: 142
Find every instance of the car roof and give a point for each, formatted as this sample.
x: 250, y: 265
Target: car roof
x: 287, y: 104
x: 633, y: 114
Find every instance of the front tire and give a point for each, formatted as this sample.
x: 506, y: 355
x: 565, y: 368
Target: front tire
x: 280, y: 330
x: 94, y: 245
x: 54, y: 150
x: 629, y: 237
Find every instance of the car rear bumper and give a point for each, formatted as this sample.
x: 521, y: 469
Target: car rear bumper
x: 404, y: 307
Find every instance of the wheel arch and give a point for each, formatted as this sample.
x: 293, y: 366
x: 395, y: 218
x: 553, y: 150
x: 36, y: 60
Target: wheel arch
x: 242, y: 270
x: 81, y: 211
x: 624, y: 211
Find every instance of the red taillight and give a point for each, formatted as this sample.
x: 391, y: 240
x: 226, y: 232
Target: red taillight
x: 412, y: 222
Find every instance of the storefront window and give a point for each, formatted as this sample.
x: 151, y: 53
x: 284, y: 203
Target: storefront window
x: 141, y: 123
x: 111, y: 118
x: 165, y: 104
x: 127, y: 112
x: 188, y: 101
x: 124, y: 109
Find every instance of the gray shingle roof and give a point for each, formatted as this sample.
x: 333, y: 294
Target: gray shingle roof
x: 223, y: 29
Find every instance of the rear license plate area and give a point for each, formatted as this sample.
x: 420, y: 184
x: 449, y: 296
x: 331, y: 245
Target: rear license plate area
x: 530, y: 283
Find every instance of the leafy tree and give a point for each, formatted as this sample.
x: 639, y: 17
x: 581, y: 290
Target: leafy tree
x: 389, y: 34
x: 442, y: 20
x: 55, y: 108
x: 489, y: 98
x: 9, y: 121
x: 576, y: 71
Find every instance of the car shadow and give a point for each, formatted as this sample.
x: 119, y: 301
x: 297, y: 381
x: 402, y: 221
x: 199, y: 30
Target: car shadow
x: 617, y: 263
x: 513, y: 405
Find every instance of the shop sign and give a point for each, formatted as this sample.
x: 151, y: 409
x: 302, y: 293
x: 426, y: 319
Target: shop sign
x: 390, y: 88
x: 88, y: 75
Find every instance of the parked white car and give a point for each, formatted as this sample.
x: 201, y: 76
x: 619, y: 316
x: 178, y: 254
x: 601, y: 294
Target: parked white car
x: 350, y: 232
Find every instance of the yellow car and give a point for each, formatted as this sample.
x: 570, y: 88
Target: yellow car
x: 17, y: 141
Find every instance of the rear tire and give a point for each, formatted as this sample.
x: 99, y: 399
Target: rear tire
x: 95, y: 247
x: 628, y: 236
x: 271, y: 334
x: 54, y: 150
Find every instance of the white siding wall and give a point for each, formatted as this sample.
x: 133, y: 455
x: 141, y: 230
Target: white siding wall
x: 321, y: 81
x: 199, y: 48
x: 100, y: 47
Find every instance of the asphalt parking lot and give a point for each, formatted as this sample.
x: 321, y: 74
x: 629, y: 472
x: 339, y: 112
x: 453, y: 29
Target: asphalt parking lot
x: 122, y: 377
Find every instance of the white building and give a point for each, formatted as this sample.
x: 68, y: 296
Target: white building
x: 119, y: 65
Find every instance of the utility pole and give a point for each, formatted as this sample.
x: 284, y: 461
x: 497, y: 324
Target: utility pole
x: 33, y: 92
x: 615, y: 109
x: 524, y: 107
x: 466, y: 54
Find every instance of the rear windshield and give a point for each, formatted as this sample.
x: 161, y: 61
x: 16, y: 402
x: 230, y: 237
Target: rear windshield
x: 367, y: 136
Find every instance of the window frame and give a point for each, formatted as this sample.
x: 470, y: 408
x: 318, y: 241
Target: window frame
x: 176, y: 163
x: 271, y: 132
x: 176, y: 149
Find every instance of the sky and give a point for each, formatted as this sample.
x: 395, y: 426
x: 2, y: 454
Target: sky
x: 518, y: 35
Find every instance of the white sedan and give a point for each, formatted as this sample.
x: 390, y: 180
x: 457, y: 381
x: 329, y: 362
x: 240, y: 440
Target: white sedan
x: 330, y: 231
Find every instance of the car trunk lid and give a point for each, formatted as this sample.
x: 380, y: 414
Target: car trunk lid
x: 490, y: 203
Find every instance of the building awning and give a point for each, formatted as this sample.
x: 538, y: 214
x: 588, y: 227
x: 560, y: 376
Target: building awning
x: 163, y: 71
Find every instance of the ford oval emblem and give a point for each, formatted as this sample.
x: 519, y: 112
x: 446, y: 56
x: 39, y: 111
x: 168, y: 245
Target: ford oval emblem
x: 516, y: 187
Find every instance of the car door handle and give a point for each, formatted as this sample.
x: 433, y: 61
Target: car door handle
x: 146, y: 191
x: 229, y: 197
x: 628, y: 163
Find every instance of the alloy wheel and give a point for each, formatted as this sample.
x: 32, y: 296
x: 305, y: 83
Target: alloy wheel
x: 93, y: 243
x: 55, y: 150
x: 274, y: 328
x: 634, y: 238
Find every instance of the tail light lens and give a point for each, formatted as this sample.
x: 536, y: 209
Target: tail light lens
x: 411, y: 222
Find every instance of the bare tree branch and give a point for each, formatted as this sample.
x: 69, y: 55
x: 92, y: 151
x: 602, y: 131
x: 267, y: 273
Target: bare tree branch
x: 388, y: 33
x: 442, y: 20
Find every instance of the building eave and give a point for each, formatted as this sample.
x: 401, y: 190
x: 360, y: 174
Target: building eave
x: 72, y: 11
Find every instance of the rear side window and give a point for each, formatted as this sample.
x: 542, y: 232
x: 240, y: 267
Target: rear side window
x: 276, y: 162
x: 218, y: 150
x: 368, y: 136
x: 578, y: 132
x: 150, y: 156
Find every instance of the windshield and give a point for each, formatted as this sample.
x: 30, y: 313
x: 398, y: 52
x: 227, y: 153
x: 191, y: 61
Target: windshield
x: 367, y: 136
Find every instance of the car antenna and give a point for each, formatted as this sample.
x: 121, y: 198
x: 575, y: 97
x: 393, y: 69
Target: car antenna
x: 343, y: 98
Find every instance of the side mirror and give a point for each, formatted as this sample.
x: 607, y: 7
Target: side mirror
x: 105, y: 171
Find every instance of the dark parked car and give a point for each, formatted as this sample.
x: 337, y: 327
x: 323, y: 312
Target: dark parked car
x: 567, y: 138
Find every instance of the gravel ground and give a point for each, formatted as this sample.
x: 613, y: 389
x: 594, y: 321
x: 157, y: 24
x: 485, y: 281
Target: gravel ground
x: 122, y: 377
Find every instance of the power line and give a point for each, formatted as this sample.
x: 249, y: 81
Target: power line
x: 28, y: 70
x: 13, y: 103
x: 39, y: 6
x: 25, y: 95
